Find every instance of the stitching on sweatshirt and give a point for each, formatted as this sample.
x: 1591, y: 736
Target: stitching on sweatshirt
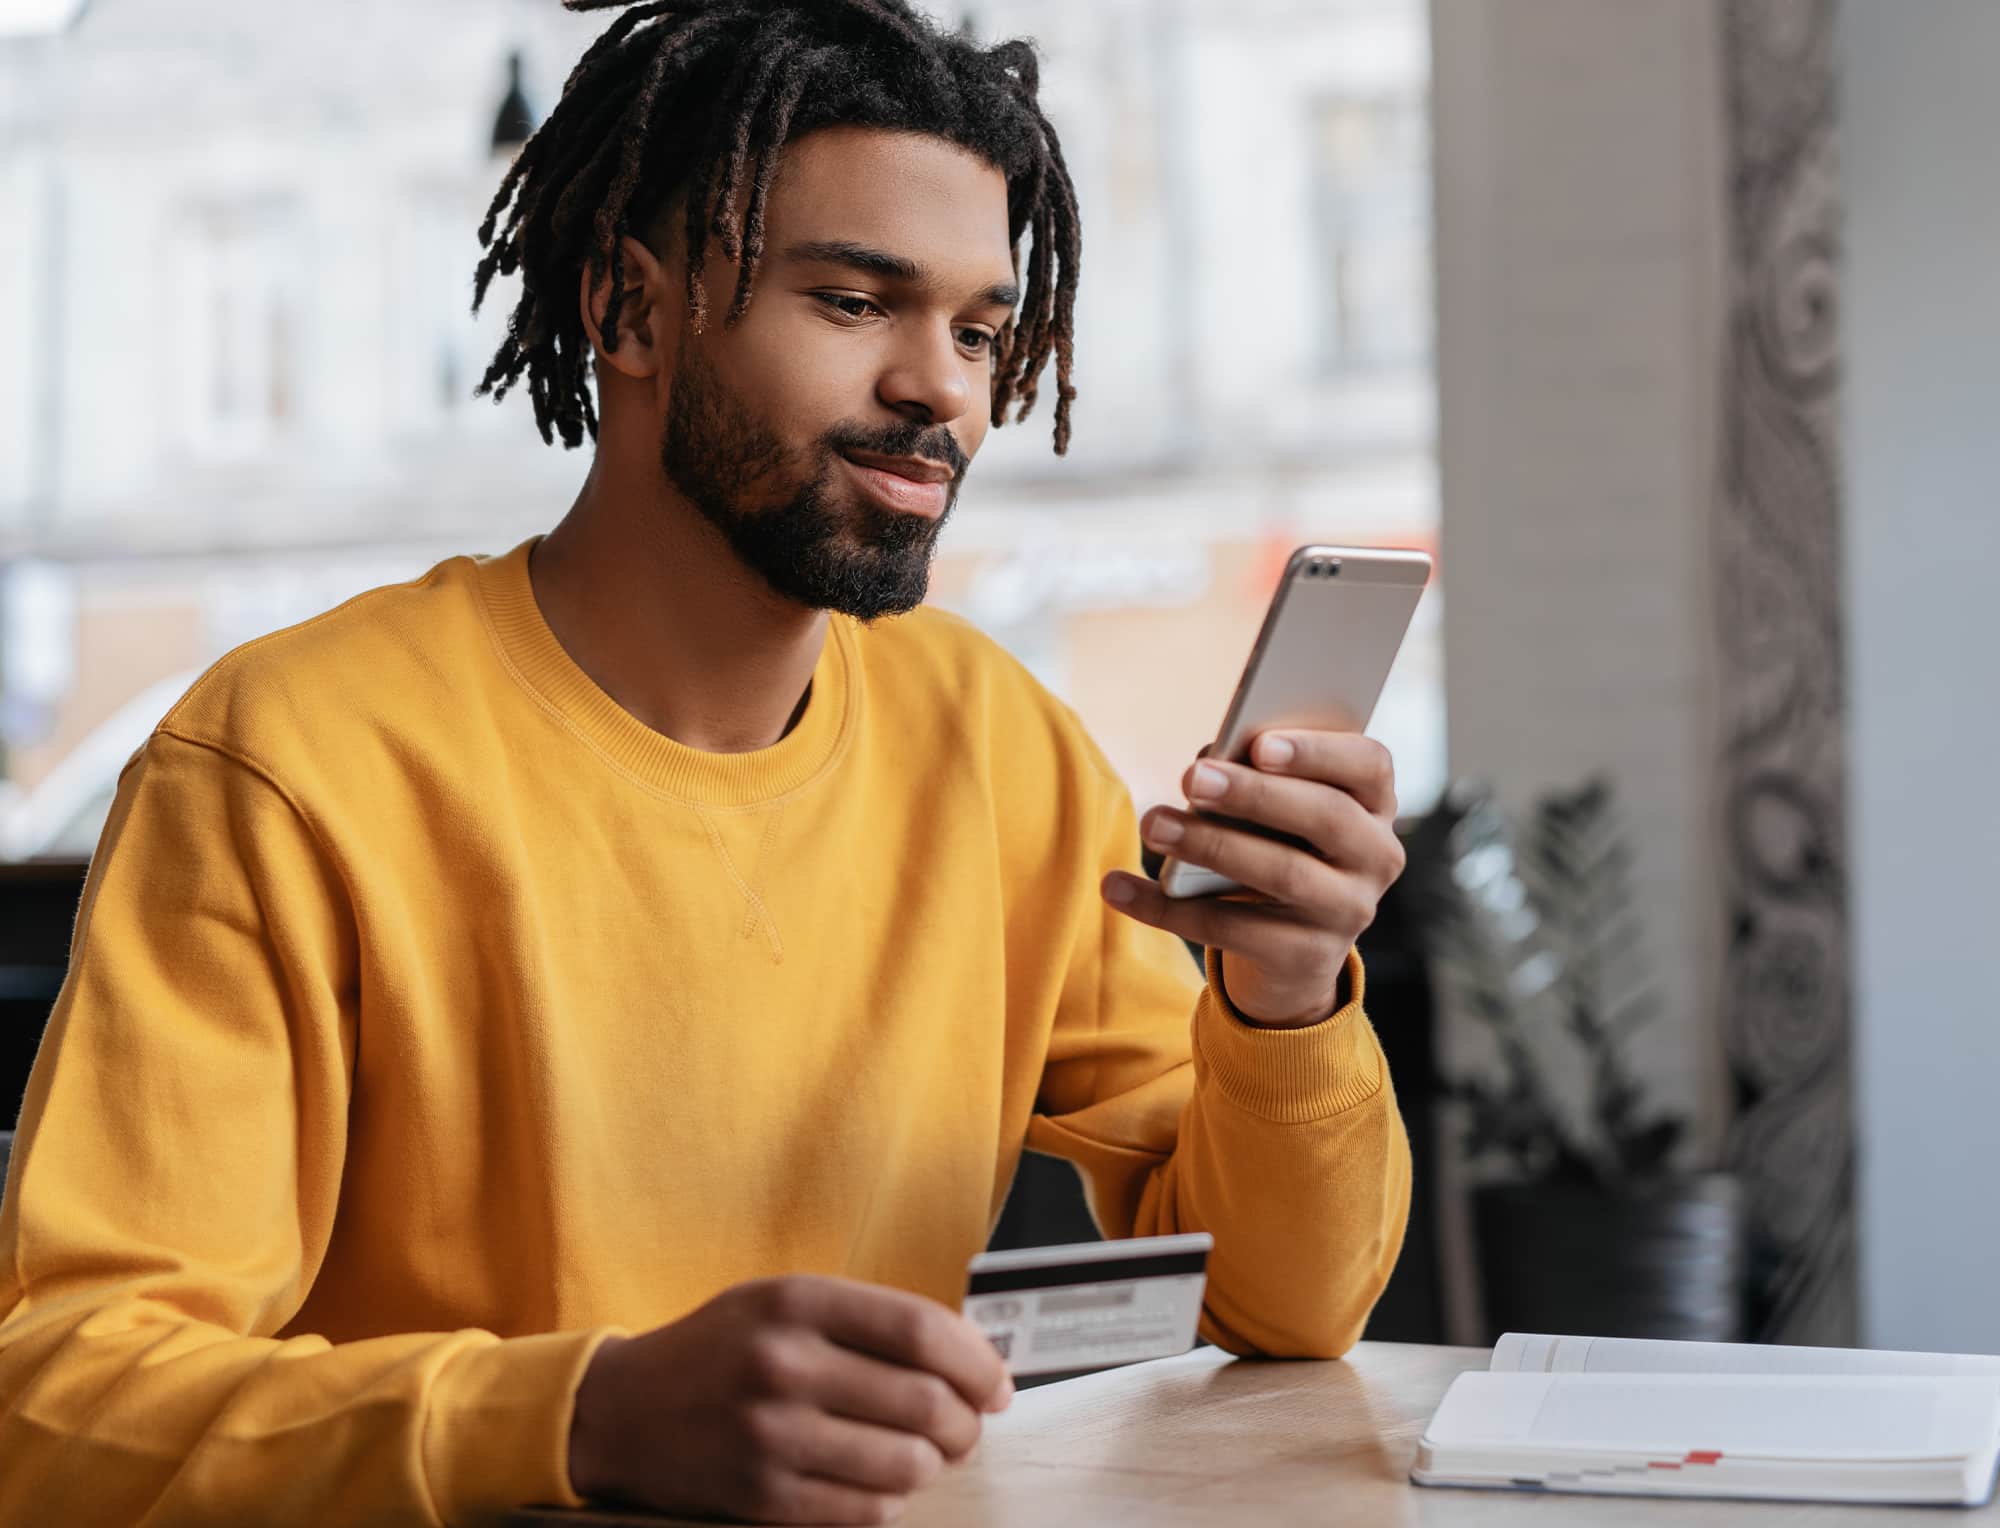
x: 758, y: 911
x: 249, y: 764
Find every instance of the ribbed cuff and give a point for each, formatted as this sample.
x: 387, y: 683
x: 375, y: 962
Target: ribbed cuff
x: 496, y: 1429
x: 1288, y: 1076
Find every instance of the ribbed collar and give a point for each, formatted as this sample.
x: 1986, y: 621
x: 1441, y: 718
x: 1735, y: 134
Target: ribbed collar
x: 531, y: 651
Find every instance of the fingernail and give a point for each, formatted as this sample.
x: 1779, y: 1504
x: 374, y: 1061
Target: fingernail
x: 1207, y: 782
x: 1118, y: 891
x: 1275, y: 750
x: 1006, y: 1396
x: 1165, y: 829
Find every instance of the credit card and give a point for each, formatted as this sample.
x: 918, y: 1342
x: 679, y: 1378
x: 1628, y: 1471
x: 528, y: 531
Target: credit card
x: 1090, y: 1304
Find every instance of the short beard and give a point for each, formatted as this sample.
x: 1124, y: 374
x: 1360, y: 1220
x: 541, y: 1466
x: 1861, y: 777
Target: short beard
x: 867, y: 563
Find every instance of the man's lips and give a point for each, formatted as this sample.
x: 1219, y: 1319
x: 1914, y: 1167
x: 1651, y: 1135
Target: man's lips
x: 910, y: 484
x: 918, y: 469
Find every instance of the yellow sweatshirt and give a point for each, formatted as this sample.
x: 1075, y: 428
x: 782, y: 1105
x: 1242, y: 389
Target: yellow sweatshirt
x: 430, y: 1017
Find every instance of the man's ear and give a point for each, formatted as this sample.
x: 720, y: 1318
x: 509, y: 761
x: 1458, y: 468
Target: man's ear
x: 642, y: 314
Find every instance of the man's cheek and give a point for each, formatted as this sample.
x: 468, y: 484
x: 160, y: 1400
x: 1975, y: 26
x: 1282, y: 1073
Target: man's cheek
x: 973, y: 438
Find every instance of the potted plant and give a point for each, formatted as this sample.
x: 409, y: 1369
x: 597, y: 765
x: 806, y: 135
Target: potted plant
x: 1582, y: 1221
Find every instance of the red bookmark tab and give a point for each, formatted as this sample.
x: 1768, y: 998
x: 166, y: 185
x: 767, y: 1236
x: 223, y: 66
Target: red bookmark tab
x: 1704, y: 1456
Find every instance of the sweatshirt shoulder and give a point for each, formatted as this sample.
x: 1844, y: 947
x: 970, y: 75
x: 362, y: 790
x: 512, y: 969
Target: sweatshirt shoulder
x: 380, y: 652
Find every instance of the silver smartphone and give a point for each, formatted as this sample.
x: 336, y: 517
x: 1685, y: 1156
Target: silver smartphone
x: 1328, y: 642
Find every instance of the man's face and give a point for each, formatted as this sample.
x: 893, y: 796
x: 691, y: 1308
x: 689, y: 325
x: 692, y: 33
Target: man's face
x: 827, y: 432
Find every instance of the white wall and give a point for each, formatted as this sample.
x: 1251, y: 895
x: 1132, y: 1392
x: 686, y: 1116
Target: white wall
x: 1920, y: 122
x: 1580, y: 234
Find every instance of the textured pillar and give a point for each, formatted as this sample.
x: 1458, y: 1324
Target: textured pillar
x: 1785, y: 1000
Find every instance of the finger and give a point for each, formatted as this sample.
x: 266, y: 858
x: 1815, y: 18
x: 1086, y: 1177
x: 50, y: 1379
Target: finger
x: 1358, y: 765
x: 880, y: 1460
x: 1284, y: 872
x: 1325, y: 816
x: 789, y: 1497
x: 1257, y: 931
x: 909, y: 1330
x: 865, y: 1389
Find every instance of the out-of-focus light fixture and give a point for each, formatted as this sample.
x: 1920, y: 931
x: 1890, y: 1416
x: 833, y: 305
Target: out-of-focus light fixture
x: 514, y: 123
x: 38, y: 18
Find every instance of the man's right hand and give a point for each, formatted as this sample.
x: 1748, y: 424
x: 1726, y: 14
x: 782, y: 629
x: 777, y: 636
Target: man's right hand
x: 792, y: 1400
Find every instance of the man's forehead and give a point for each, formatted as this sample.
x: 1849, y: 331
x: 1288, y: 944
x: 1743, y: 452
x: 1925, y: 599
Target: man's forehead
x: 918, y: 197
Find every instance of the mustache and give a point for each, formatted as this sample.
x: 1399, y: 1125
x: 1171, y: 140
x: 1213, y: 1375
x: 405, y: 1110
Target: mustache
x: 932, y: 442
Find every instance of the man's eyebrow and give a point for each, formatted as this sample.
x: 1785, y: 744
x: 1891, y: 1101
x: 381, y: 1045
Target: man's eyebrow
x: 879, y: 262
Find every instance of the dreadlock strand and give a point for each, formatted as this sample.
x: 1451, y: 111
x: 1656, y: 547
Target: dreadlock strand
x: 1038, y: 314
x: 786, y: 90
x: 1069, y: 245
x: 552, y: 158
x: 614, y: 214
x: 728, y: 185
x: 612, y: 38
x: 712, y: 187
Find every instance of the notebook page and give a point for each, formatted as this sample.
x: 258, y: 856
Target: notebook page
x: 1782, y: 1416
x: 1540, y: 1353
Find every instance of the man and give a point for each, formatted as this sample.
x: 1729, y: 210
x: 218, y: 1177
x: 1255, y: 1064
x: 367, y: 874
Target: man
x: 558, y: 1029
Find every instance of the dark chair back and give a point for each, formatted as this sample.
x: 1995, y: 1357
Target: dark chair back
x: 38, y: 904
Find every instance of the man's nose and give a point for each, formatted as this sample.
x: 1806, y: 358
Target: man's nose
x: 927, y: 380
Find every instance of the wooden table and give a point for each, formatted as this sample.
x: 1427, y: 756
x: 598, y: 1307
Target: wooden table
x: 1204, y: 1440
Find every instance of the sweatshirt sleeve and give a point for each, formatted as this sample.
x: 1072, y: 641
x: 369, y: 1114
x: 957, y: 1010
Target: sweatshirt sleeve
x: 1285, y: 1145
x: 172, y: 1192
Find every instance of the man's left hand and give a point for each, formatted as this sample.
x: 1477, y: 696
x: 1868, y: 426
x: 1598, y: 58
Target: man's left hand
x: 1285, y: 945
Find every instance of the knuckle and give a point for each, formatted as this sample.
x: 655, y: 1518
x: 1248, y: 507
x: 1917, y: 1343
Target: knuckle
x: 1247, y: 787
x: 961, y: 1433
x: 769, y: 1492
x: 1292, y: 876
x: 1397, y: 860
x: 767, y: 1432
x: 935, y: 1405
x: 774, y: 1362
x: 1203, y: 920
x: 917, y: 1462
x: 1209, y: 846
x: 916, y: 1330
x: 1381, y: 765
x: 1331, y: 827
x: 1361, y: 915
x: 785, y: 1299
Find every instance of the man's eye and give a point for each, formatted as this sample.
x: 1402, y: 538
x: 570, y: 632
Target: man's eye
x: 975, y: 339
x: 847, y: 305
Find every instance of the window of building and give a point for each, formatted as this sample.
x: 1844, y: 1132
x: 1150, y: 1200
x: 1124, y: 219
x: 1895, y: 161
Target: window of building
x: 239, y: 311
x: 1371, y: 219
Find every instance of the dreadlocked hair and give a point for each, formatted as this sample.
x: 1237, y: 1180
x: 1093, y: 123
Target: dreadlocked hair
x: 700, y: 97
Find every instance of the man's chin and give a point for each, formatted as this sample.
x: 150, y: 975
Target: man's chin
x: 880, y: 597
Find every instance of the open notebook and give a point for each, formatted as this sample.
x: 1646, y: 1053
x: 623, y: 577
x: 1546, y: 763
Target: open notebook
x: 1631, y: 1417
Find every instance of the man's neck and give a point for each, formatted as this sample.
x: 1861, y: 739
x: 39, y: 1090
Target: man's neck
x: 649, y: 600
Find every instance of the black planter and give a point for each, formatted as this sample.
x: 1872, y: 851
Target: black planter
x: 1657, y: 1262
